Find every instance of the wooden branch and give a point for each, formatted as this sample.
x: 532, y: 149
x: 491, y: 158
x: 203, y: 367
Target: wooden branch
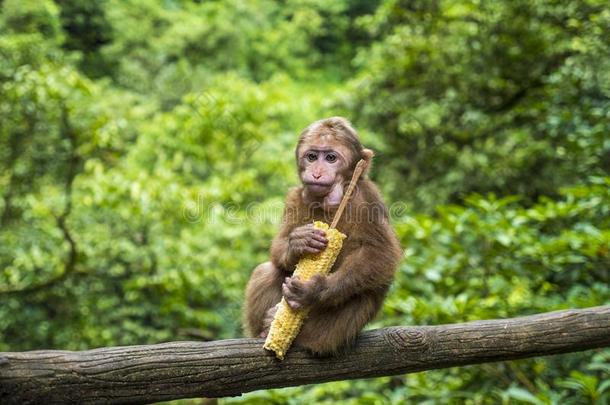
x: 143, y: 374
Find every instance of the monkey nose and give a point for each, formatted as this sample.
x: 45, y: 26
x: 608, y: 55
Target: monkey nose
x: 317, y: 176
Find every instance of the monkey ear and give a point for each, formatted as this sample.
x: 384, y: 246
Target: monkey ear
x: 367, y: 155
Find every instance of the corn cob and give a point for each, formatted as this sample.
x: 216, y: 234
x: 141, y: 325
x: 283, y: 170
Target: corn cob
x: 287, y: 322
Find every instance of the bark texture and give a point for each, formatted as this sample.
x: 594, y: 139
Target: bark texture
x: 144, y: 374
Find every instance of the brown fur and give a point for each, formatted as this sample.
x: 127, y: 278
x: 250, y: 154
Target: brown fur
x: 347, y: 299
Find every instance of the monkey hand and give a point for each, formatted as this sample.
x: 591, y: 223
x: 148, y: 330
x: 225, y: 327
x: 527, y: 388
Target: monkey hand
x: 299, y: 294
x: 306, y: 239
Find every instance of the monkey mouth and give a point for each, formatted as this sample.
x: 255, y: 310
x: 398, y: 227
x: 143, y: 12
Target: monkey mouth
x: 318, y: 188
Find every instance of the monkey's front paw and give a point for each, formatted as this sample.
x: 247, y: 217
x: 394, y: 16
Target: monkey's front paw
x: 299, y: 294
x: 307, y: 239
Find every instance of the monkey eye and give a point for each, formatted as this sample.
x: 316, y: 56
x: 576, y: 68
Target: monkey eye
x: 331, y: 158
x: 311, y: 157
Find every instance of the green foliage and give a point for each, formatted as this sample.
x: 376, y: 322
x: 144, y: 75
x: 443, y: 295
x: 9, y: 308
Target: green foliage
x: 31, y: 16
x: 146, y: 148
x: 184, y: 41
x: 514, y: 260
x: 87, y: 30
x: 475, y: 97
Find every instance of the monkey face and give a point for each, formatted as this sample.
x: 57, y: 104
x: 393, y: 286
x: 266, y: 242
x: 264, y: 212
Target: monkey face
x: 320, y: 169
x: 326, y: 153
x: 322, y: 164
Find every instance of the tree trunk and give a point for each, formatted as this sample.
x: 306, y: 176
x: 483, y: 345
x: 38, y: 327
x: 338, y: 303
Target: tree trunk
x: 144, y: 374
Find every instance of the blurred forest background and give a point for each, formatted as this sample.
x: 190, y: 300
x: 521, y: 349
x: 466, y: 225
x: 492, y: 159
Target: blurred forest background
x: 146, y: 148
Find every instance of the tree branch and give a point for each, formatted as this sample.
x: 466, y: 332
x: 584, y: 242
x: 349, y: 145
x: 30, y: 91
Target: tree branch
x: 143, y: 374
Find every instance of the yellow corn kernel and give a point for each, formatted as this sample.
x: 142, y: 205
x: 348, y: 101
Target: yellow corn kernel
x: 287, y: 322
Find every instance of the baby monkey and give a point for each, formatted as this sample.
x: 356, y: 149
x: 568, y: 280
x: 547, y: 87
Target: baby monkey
x: 343, y: 302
